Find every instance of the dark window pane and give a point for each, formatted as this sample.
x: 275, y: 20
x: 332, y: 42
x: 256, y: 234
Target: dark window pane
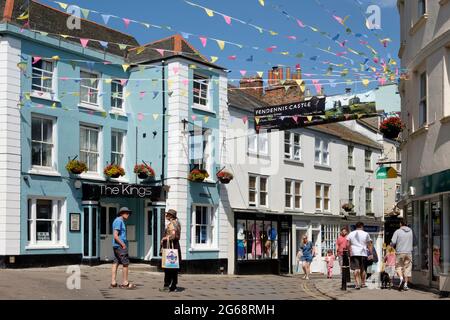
x: 43, y: 230
x: 112, y: 216
x: 103, y: 220
x: 43, y: 209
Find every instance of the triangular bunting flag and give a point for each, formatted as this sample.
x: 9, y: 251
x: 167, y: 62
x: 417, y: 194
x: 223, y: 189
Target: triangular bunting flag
x: 295, y: 118
x: 106, y: 18
x: 140, y: 116
x: 161, y: 52
x: 227, y: 19
x: 104, y: 44
x: 123, y: 82
x: 206, y: 118
x: 214, y: 59
x: 62, y: 5
x: 155, y: 116
x: 261, y: 2
x: 139, y: 50
x: 126, y: 22
x: 257, y: 120
x: 125, y: 67
x: 209, y: 12
x: 84, y: 42
x: 85, y: 13
x: 36, y: 59
x: 260, y: 74
x: 155, y: 94
x: 123, y: 46
x: 245, y: 119
x: 203, y: 40
x: 221, y: 44
x: 108, y: 81
x: 309, y: 118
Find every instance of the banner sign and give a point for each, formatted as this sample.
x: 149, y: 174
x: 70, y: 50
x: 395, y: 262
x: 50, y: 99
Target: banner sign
x: 98, y: 191
x: 310, y: 112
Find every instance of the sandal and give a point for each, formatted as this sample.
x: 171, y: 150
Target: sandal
x: 113, y: 286
x: 128, y: 286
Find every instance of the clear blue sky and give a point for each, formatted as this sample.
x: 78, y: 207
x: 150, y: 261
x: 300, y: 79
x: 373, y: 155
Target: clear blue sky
x: 183, y: 17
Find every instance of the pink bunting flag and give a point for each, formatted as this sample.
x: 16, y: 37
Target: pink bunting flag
x: 36, y: 59
x: 295, y: 118
x: 292, y: 37
x: 140, y: 116
x: 245, y: 119
x: 127, y: 22
x: 232, y: 58
x: 339, y: 19
x: 363, y: 42
x: 382, y: 81
x: 300, y: 23
x: 142, y: 94
x: 227, y: 19
x: 270, y: 49
x: 194, y: 117
x: 175, y: 70
x: 203, y: 40
x: 161, y: 52
x: 107, y: 62
x: 185, y: 82
x: 84, y: 42
x: 317, y: 86
x: 123, y: 81
x: 340, y: 54
x: 342, y: 44
x: 64, y: 78
x: 243, y: 72
x: 376, y: 60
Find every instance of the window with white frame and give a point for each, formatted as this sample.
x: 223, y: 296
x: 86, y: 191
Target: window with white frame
x: 421, y: 8
x: 323, y: 197
x: 293, y: 194
x: 350, y: 151
x: 369, y: 208
x: 89, y: 147
x: 257, y: 191
x: 258, y: 143
x: 351, y: 195
x: 89, y: 87
x: 201, y: 148
x: 321, y: 152
x: 46, y: 221
x: 200, y: 88
x: 42, y: 141
x: 423, y: 105
x: 368, y: 160
x: 116, y: 94
x: 292, y: 146
x: 42, y: 74
x: 203, y: 226
x: 329, y: 234
x: 117, y: 152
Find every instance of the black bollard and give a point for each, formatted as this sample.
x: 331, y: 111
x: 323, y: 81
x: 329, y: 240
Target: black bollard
x: 345, y: 270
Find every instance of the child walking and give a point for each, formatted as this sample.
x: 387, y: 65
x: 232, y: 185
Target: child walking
x: 329, y: 259
x: 389, y: 261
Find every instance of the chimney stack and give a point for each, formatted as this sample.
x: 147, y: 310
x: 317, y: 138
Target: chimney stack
x: 288, y: 73
x: 252, y: 86
x: 7, y: 13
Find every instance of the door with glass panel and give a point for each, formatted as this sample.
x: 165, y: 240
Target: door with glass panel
x: 436, y: 241
x: 108, y: 213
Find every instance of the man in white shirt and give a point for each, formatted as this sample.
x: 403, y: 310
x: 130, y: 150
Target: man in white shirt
x: 359, y: 242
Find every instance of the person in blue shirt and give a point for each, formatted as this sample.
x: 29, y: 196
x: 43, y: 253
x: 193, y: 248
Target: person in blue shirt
x: 120, y: 249
x: 308, y: 253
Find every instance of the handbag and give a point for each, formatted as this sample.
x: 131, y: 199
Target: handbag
x: 170, y: 258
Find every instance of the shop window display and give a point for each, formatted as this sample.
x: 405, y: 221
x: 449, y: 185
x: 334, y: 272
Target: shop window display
x: 256, y: 240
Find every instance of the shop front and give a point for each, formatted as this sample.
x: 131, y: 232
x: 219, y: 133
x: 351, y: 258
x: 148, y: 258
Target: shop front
x: 100, y: 205
x: 262, y: 243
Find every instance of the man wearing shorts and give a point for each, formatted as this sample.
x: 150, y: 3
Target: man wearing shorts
x: 402, y: 240
x: 359, y: 242
x: 120, y: 249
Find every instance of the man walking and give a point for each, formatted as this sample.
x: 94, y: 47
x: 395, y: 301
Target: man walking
x: 359, y: 242
x: 120, y: 249
x: 402, y: 240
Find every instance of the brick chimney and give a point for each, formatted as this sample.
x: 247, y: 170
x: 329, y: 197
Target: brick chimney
x: 7, y: 13
x: 253, y: 86
x: 288, y: 92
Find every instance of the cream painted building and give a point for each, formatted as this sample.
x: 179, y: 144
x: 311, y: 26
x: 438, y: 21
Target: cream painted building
x: 425, y: 53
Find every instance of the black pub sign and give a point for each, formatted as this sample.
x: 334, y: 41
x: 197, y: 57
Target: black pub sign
x: 109, y: 190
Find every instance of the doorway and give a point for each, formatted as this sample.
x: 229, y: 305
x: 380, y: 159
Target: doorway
x: 154, y: 227
x: 108, y: 212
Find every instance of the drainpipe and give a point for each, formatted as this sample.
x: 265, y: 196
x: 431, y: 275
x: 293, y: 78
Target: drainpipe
x: 163, y: 64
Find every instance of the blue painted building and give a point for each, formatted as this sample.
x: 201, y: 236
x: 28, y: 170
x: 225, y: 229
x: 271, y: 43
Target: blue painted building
x: 104, y: 105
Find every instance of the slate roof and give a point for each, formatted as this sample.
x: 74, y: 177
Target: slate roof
x: 346, y: 134
x: 175, y: 45
x: 239, y: 99
x: 48, y: 19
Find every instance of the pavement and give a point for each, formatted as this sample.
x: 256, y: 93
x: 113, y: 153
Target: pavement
x: 92, y: 283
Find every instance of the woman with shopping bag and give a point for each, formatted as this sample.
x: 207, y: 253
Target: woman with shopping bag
x: 171, y: 252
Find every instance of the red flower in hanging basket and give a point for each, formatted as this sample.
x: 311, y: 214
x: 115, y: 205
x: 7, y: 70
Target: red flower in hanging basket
x: 225, y: 176
x: 144, y: 171
x: 391, y: 127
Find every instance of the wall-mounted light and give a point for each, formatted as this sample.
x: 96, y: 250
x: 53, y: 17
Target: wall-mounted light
x: 77, y: 184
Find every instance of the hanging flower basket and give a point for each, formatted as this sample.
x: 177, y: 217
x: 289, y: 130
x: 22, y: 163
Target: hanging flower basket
x: 225, y: 177
x: 114, y: 171
x: 144, y: 171
x: 76, y: 167
x: 348, y: 207
x: 391, y: 127
x: 198, y: 175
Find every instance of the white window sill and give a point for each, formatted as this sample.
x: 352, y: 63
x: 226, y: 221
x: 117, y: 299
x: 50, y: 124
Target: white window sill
x: 93, y: 107
x: 92, y: 176
x: 419, y: 131
x: 290, y: 210
x: 46, y: 247
x: 422, y: 20
x: 120, y: 180
x: 296, y: 162
x: 118, y: 112
x: 44, y: 172
x: 44, y: 96
x: 322, y: 166
x: 258, y: 155
x: 203, y: 109
x: 197, y: 249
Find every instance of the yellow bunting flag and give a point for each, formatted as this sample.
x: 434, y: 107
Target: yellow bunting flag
x: 54, y: 105
x: 63, y: 5
x: 221, y: 44
x: 56, y: 58
x: 301, y: 84
x: 214, y: 59
x: 260, y: 74
x: 192, y: 66
x: 23, y: 16
x: 125, y: 67
x: 273, y: 33
x: 27, y: 96
x: 127, y: 94
x: 85, y: 13
x: 360, y: 115
x: 209, y: 12
x: 261, y: 2
x: 122, y: 46
x: 104, y: 114
x: 257, y: 120
x: 206, y: 118
x: 285, y: 53
x: 155, y: 116
x: 309, y: 118
x: 140, y: 50
x: 108, y: 80
x: 64, y: 36
x: 365, y: 82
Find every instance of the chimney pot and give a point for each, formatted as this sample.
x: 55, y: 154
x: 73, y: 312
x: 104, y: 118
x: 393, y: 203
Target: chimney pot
x: 7, y: 13
x: 288, y: 73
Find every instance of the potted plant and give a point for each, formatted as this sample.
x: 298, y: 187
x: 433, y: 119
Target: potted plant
x: 144, y: 171
x: 224, y: 176
x: 76, y: 167
x: 348, y: 207
x: 391, y: 127
x: 198, y: 175
x: 114, y: 171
